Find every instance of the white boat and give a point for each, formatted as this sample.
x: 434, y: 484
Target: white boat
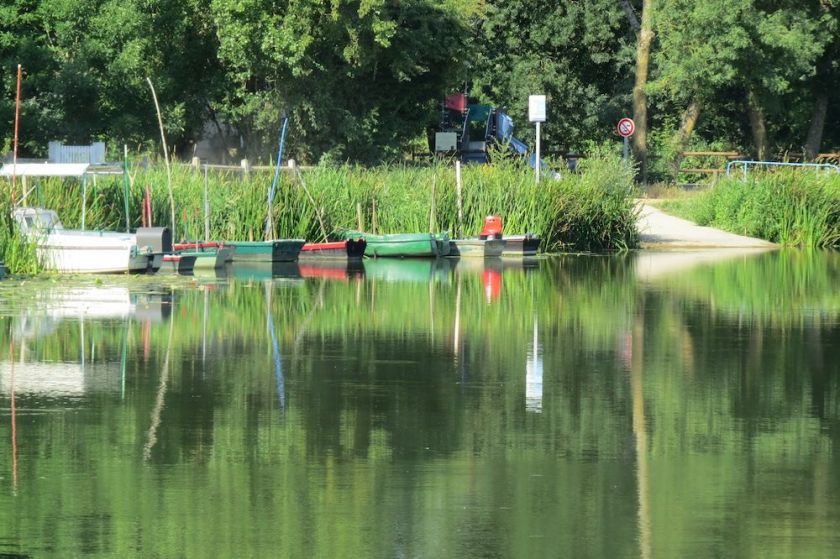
x: 75, y: 251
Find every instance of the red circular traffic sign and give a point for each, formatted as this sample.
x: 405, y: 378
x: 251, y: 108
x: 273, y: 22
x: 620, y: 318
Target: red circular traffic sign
x: 626, y: 127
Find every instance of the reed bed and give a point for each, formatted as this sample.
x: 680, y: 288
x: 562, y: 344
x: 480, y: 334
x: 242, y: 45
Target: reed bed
x: 791, y: 208
x: 591, y: 210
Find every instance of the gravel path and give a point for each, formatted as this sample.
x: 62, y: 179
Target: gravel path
x: 663, y: 231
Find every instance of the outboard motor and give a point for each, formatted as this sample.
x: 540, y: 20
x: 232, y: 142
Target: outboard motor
x: 155, y: 242
x: 154, y: 239
x: 492, y: 227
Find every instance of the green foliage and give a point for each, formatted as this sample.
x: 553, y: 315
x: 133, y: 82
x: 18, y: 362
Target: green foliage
x: 16, y: 251
x: 358, y: 79
x: 361, y: 80
x: 591, y: 210
x: 579, y: 54
x: 792, y: 208
x: 85, y: 65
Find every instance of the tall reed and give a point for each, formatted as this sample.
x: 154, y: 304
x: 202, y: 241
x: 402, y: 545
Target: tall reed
x: 16, y: 251
x: 591, y: 210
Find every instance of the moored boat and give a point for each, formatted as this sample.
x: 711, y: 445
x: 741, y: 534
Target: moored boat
x: 208, y: 256
x: 280, y: 250
x: 349, y: 249
x: 520, y: 245
x: 178, y: 263
x: 74, y: 251
x: 514, y: 245
x: 477, y: 248
x: 401, y: 245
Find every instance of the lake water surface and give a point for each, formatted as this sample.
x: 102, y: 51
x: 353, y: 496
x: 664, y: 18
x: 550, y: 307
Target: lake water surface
x: 639, y: 405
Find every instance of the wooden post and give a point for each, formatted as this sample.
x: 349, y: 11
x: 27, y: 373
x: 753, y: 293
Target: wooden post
x: 374, y: 225
x: 246, y: 167
x: 432, y: 210
x: 206, y: 208
x: 359, y: 216
x: 459, y: 199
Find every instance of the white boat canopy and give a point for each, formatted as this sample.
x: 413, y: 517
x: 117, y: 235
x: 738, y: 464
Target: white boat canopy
x: 44, y: 169
x: 72, y: 170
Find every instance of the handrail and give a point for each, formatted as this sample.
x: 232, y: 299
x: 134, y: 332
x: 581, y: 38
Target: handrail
x: 745, y: 164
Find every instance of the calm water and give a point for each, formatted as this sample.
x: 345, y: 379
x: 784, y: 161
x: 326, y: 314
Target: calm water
x: 645, y: 405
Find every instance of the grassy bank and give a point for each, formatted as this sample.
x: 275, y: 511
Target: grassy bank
x: 790, y: 208
x: 587, y: 211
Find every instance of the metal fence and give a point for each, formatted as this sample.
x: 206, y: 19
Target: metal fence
x: 745, y: 165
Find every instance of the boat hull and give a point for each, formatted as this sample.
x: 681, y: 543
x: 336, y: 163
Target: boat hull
x: 476, y: 248
x: 178, y: 263
x: 209, y: 258
x: 350, y: 249
x: 520, y: 245
x: 281, y: 250
x: 401, y: 245
x: 66, y: 254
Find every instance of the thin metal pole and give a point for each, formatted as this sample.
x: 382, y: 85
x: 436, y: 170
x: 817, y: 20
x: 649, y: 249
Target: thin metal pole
x: 84, y: 200
x: 626, y: 148
x: 537, y: 162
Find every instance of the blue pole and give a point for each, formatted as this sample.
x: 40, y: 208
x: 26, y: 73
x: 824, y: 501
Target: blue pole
x: 269, y: 225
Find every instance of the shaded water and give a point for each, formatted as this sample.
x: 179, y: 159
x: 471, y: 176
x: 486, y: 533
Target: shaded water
x: 644, y: 405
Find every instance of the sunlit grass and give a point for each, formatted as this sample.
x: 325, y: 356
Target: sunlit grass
x: 790, y: 208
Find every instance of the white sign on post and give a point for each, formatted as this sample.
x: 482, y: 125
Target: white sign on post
x: 536, y: 108
x: 536, y: 114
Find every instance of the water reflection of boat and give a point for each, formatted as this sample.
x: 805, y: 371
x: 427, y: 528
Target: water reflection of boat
x: 51, y: 307
x: 478, y: 265
x: 408, y: 270
x: 332, y: 269
x: 59, y: 379
x: 77, y: 306
x: 263, y: 270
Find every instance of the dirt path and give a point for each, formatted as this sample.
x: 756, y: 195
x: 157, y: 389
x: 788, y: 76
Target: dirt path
x: 660, y: 230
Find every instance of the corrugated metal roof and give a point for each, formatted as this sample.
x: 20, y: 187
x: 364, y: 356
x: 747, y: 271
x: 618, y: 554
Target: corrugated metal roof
x: 44, y: 169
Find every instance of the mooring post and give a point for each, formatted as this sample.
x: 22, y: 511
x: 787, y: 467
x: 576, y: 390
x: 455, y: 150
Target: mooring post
x: 458, y: 197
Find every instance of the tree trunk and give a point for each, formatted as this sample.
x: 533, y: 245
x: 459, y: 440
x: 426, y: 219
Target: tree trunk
x: 758, y: 126
x: 815, y: 132
x: 644, y: 38
x: 689, y: 121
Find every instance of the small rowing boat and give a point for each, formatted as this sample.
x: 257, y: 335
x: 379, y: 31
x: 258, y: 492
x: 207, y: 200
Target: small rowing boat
x: 208, y: 256
x: 402, y: 245
x: 349, y: 249
x: 280, y: 250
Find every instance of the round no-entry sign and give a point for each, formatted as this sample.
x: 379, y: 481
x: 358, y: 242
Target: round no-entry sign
x: 626, y: 127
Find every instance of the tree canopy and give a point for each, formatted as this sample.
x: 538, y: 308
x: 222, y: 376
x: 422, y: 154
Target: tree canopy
x: 361, y: 80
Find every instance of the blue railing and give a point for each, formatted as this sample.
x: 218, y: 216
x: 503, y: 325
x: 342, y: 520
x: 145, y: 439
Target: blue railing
x: 746, y: 164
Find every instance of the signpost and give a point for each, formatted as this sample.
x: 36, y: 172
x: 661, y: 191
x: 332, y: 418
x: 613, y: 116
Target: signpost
x: 626, y: 127
x: 536, y: 114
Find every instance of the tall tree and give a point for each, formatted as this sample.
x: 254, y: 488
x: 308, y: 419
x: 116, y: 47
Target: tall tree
x: 644, y: 41
x: 358, y: 79
x: 578, y: 54
x: 761, y: 51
